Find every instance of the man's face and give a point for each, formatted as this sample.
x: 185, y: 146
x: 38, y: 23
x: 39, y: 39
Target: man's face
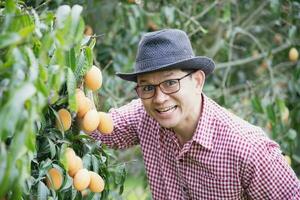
x: 177, y: 110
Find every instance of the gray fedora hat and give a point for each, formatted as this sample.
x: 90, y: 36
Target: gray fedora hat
x: 166, y: 49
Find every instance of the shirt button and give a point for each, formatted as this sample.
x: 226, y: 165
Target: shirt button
x: 184, y: 188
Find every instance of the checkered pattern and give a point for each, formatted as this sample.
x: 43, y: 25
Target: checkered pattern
x: 227, y: 158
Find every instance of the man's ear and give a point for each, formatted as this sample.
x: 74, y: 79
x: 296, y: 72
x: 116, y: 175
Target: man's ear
x: 199, y: 77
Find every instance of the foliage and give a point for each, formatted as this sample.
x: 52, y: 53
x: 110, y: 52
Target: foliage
x: 43, y: 58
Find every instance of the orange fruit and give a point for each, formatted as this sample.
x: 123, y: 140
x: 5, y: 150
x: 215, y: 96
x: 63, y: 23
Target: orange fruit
x: 87, y: 104
x: 90, y: 120
x: 277, y: 38
x: 81, y: 179
x: 93, y: 78
x: 75, y: 166
x: 106, y: 125
x: 293, y: 54
x: 65, y: 119
x: 80, y: 99
x: 88, y: 30
x: 80, y: 124
x: 70, y: 155
x: 56, y: 179
x: 96, y: 183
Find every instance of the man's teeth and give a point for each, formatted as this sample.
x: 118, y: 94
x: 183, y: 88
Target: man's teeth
x: 166, y: 109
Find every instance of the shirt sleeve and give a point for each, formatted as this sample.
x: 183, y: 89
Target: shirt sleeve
x: 270, y: 176
x: 126, y: 120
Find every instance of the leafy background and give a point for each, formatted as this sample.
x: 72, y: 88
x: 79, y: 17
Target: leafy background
x: 248, y: 40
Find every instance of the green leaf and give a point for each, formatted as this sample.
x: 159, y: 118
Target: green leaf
x: 41, y: 86
x: 71, y: 59
x: 30, y: 136
x: 92, y: 43
x: 52, y: 148
x: 281, y: 105
x: 67, y: 184
x: 26, y: 31
x: 10, y: 6
x: 10, y: 112
x: 42, y: 191
x: 33, y: 68
x: 71, y: 87
x: 275, y: 5
x: 95, y: 163
x: 87, y: 161
x: 256, y: 104
x: 292, y: 134
x: 62, y: 13
x: 79, y: 32
x: 8, y: 39
x: 75, y: 13
x: 82, y: 64
x: 89, y: 56
x: 271, y: 114
x: 292, y: 31
x: 226, y: 13
x: 3, y: 165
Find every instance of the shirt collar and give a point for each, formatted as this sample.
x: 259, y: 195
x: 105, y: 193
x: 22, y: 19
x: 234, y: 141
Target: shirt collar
x: 205, y: 128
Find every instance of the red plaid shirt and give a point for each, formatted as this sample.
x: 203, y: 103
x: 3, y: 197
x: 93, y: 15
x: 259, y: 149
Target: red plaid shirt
x: 227, y: 157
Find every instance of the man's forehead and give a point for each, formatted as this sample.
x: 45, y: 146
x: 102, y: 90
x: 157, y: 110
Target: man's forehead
x: 158, y: 74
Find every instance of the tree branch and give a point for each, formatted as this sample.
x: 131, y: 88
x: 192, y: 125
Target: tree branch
x: 252, y: 59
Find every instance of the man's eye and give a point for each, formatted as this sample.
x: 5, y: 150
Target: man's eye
x: 171, y: 82
x: 148, y: 88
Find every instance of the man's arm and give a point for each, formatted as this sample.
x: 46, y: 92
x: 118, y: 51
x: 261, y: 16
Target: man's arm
x: 268, y: 175
x: 126, y: 120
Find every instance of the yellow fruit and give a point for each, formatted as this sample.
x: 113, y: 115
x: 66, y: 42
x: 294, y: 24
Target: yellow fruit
x: 277, y: 38
x: 79, y: 120
x: 75, y: 167
x: 65, y: 119
x: 56, y: 179
x: 96, y: 183
x: 285, y: 116
x: 87, y: 105
x: 269, y: 126
x: 70, y: 155
x: 81, y: 179
x: 93, y: 78
x: 80, y: 99
x: 91, y: 120
x: 288, y: 159
x: 88, y: 30
x: 293, y: 54
x: 106, y: 125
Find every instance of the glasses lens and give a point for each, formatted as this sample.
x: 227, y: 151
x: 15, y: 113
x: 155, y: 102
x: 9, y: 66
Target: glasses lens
x: 146, y: 91
x: 170, y: 86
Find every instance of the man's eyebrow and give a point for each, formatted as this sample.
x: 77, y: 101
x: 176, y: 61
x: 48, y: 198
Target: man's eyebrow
x: 165, y: 75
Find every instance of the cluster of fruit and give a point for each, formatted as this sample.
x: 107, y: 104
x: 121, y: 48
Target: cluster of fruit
x: 89, y: 120
x: 88, y: 117
x: 82, y: 178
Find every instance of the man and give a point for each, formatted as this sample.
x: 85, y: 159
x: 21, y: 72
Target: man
x: 192, y: 147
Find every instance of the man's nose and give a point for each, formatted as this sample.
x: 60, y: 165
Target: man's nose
x: 159, y: 96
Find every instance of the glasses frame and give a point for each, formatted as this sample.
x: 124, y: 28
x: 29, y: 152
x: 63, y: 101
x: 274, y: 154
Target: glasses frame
x: 158, y: 85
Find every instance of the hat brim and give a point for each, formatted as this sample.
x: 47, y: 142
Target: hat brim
x: 200, y: 62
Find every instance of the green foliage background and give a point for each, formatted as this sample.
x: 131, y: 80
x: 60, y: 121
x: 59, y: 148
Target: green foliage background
x: 248, y: 40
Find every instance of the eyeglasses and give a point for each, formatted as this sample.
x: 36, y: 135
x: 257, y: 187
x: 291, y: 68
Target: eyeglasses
x: 167, y: 87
